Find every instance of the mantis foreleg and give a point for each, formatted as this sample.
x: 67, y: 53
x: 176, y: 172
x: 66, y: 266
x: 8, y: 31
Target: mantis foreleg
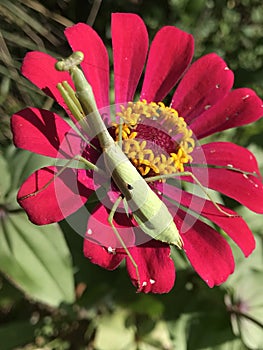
x: 120, y: 133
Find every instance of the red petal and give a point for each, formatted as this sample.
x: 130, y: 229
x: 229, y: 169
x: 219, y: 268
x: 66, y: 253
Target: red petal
x: 64, y: 194
x: 225, y: 152
x: 82, y: 37
x: 39, y: 68
x: 239, y: 107
x: 99, y: 230
x: 246, y: 189
x: 235, y: 227
x: 130, y: 46
x: 206, y: 82
x: 170, y: 54
x: 44, y: 132
x: 207, y: 251
x: 100, y: 256
x: 156, y: 268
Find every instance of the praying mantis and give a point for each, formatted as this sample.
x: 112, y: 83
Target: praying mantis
x: 148, y: 210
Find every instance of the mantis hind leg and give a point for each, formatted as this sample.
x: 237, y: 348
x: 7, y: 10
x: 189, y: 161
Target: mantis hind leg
x: 188, y: 173
x: 110, y: 221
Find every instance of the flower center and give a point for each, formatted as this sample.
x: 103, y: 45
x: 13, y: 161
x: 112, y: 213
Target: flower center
x: 155, y: 139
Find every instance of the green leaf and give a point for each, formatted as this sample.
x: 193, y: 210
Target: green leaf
x: 16, y: 334
x: 217, y: 332
x: 5, y: 179
x: 24, y: 163
x: 36, y: 259
x: 178, y: 330
x: 112, y: 331
x: 9, y: 294
x: 201, y: 330
x: 158, y: 339
x: 248, y: 309
x: 244, y: 266
x: 254, y: 220
x: 147, y: 305
x: 21, y: 164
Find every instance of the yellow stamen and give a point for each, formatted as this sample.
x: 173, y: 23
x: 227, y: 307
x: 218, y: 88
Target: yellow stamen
x: 142, y: 153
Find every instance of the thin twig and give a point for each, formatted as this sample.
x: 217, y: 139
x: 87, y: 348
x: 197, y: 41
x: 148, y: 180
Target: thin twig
x: 38, y: 7
x: 8, y: 61
x: 93, y: 12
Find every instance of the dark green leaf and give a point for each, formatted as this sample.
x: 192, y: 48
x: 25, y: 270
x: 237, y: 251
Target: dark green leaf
x: 16, y: 334
x: 247, y: 309
x: 5, y: 179
x: 36, y: 259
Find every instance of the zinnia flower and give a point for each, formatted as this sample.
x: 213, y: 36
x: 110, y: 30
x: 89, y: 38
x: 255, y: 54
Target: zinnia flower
x: 202, y: 104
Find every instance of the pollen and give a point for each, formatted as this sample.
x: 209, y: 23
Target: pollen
x: 154, y: 137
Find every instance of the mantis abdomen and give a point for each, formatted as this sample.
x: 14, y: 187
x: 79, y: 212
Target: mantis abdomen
x: 147, y: 208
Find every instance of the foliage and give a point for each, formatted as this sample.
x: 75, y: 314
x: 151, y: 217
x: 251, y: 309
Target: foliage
x: 51, y: 297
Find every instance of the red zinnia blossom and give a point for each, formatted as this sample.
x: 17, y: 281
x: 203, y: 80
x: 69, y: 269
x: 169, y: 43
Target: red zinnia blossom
x: 208, y: 105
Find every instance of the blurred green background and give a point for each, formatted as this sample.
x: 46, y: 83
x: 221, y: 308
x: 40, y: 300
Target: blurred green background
x: 53, y: 298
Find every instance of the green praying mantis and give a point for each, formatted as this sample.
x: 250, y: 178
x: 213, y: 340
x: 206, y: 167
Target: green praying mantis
x: 148, y: 210
x: 145, y: 205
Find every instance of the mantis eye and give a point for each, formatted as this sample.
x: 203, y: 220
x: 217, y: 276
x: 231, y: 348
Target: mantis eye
x: 129, y: 187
